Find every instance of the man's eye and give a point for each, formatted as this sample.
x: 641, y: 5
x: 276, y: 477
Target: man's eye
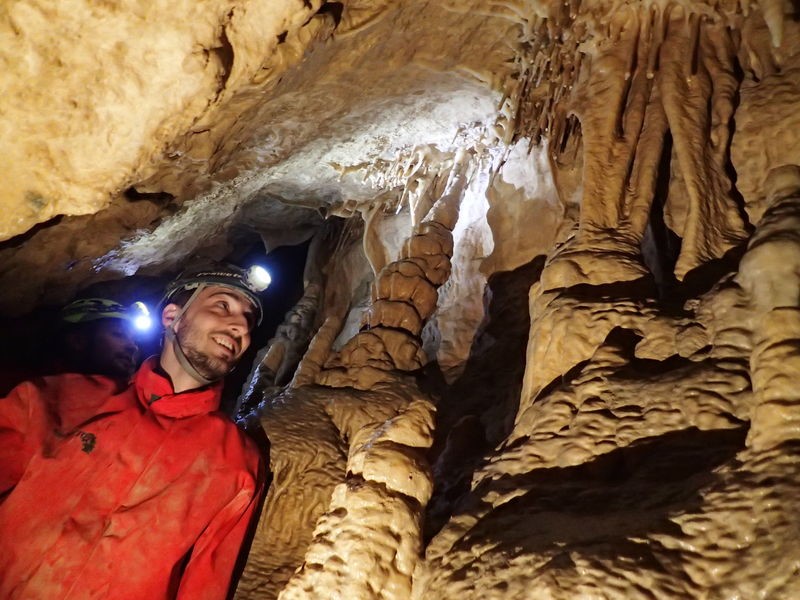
x: 223, y: 305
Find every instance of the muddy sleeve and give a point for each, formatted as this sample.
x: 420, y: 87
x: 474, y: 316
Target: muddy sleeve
x: 208, y: 573
x: 20, y: 433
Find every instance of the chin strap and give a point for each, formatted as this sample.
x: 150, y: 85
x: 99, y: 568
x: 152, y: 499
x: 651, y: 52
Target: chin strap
x: 172, y: 338
x: 183, y: 360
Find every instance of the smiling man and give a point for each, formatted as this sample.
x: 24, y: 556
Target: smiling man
x: 147, y: 493
x: 208, y: 319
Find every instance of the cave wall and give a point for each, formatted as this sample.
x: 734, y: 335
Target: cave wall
x: 548, y: 342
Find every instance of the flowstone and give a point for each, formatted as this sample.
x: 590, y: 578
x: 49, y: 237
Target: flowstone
x: 654, y: 448
x: 631, y: 477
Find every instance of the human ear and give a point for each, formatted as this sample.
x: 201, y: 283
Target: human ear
x: 169, y: 314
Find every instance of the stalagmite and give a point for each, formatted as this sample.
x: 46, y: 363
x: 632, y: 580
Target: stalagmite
x: 389, y: 339
x: 770, y: 274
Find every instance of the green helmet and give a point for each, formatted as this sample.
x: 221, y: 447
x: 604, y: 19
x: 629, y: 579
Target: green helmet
x: 249, y: 282
x: 93, y: 309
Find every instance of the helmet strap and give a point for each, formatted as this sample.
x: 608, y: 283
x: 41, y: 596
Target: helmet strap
x: 183, y: 360
x: 172, y: 337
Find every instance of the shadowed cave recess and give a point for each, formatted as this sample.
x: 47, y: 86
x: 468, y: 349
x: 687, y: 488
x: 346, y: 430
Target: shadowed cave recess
x: 538, y: 323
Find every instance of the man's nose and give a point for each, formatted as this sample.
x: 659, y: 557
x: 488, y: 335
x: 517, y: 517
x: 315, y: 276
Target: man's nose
x: 238, y: 325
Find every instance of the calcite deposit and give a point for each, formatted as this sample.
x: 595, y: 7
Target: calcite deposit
x: 549, y: 344
x: 637, y: 477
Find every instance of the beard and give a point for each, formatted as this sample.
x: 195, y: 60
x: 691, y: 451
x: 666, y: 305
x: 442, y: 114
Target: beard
x: 210, y: 367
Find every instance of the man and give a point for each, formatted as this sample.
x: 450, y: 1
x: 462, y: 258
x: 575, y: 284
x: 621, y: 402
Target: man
x: 97, y: 338
x: 144, y: 494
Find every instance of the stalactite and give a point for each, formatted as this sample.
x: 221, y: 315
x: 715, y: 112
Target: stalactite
x: 700, y: 107
x: 614, y: 182
x: 548, y: 66
x: 657, y: 26
x: 773, y: 15
x: 373, y: 246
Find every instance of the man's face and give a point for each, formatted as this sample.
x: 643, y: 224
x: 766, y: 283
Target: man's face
x: 214, y: 331
x: 112, y: 349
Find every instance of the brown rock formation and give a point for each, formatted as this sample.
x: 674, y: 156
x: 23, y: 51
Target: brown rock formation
x: 558, y: 308
x: 631, y: 477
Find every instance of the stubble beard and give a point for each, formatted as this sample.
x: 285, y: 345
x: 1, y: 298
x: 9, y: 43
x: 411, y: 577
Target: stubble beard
x: 210, y: 367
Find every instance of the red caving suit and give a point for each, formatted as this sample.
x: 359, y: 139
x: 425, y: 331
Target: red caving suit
x: 140, y: 495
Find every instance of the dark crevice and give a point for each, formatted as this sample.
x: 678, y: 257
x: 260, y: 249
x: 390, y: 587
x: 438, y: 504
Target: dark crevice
x: 696, y: 37
x: 660, y: 245
x: 634, y: 289
x: 334, y: 9
x: 701, y: 279
x: 133, y: 195
x: 225, y: 54
x: 628, y: 97
x: 650, y: 479
x: 471, y: 420
x: 19, y: 240
x: 730, y: 170
x: 563, y: 380
x: 385, y: 327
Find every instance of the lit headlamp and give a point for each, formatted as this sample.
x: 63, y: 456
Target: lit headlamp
x: 139, y: 315
x: 257, y: 278
x: 93, y: 309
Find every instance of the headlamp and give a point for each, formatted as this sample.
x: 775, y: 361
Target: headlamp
x: 257, y: 278
x: 140, y: 316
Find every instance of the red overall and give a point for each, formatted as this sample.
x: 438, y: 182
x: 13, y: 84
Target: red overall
x: 145, y: 494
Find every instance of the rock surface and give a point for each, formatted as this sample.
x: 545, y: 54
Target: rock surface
x: 551, y: 325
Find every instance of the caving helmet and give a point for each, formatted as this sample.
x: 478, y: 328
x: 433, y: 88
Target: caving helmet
x: 92, y: 309
x: 250, y: 282
x: 85, y: 310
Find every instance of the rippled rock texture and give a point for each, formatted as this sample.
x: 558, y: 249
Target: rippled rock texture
x: 549, y: 345
x: 650, y: 449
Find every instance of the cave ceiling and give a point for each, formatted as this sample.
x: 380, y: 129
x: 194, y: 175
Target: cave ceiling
x: 134, y: 137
